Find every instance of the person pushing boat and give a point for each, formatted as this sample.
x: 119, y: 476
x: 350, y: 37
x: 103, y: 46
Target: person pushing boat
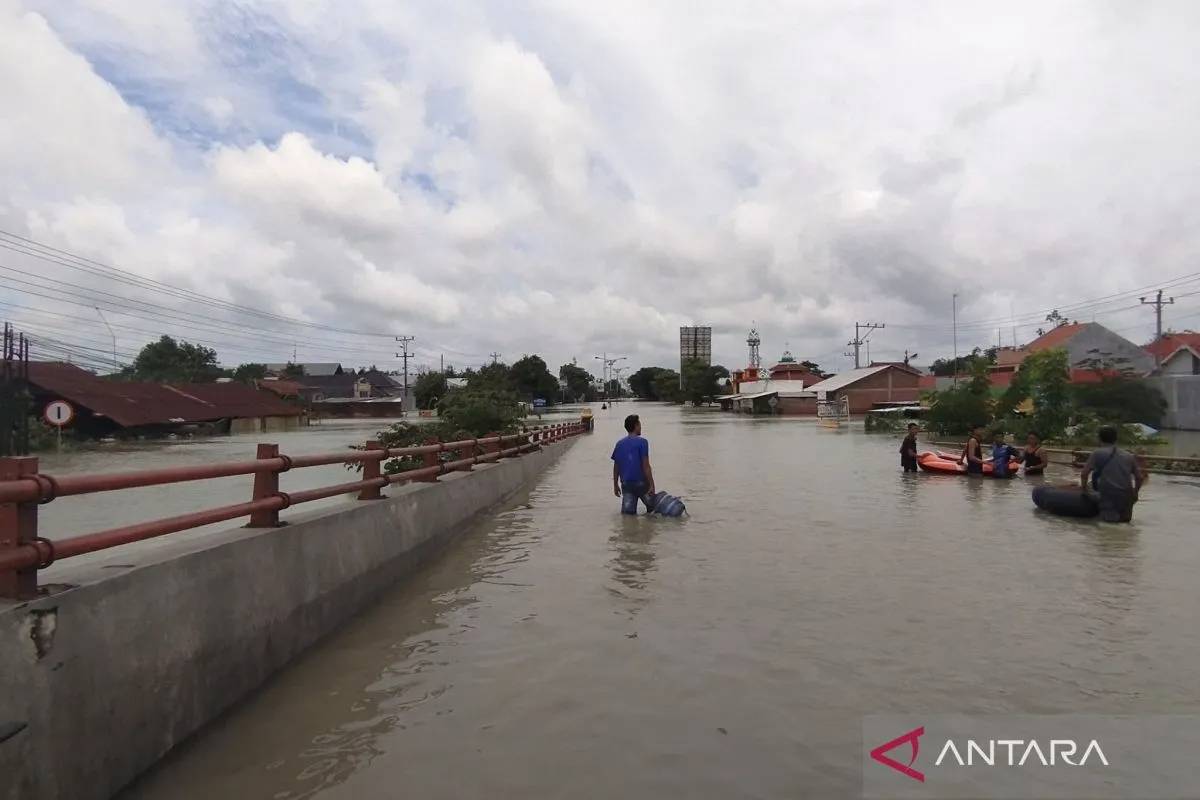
x: 972, y: 454
x: 908, y: 449
x: 1002, y: 454
x: 1032, y: 456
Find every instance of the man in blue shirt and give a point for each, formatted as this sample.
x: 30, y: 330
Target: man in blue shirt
x: 632, y: 476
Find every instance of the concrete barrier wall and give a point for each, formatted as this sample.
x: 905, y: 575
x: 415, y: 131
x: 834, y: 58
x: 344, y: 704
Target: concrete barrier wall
x: 99, y: 681
x: 1182, y: 393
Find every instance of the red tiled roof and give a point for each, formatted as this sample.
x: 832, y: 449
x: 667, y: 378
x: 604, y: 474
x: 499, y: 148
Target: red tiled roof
x: 281, y: 388
x: 1171, y: 342
x: 1055, y: 338
x: 134, y: 403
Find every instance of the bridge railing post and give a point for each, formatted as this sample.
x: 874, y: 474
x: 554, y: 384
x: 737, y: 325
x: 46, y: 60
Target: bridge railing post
x: 266, y: 484
x: 465, y: 452
x: 372, y: 469
x: 18, y: 527
x: 431, y: 460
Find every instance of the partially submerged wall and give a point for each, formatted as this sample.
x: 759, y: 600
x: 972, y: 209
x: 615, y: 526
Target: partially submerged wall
x: 99, y: 681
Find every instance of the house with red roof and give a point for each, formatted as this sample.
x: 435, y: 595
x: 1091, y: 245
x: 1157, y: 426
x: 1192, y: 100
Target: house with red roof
x: 1179, y: 353
x: 1092, y: 352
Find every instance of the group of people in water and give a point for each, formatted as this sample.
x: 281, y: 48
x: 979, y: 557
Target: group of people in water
x: 1031, y: 458
x: 1111, y: 477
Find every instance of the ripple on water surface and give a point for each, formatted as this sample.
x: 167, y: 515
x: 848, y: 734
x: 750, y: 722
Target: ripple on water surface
x: 561, y: 650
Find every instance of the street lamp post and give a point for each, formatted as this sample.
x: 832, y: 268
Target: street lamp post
x: 116, y: 368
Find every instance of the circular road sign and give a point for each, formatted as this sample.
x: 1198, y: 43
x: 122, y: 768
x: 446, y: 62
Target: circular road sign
x: 58, y: 413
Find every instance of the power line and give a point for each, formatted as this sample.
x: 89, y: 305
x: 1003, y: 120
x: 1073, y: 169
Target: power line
x: 74, y: 261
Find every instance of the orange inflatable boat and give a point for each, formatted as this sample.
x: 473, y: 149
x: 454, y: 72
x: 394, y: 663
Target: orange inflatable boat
x: 945, y: 464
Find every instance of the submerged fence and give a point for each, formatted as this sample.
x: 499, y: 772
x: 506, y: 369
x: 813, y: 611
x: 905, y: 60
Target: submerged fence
x: 23, y: 489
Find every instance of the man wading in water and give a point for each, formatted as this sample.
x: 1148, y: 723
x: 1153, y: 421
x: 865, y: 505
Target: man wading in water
x: 1115, y: 475
x: 633, y: 479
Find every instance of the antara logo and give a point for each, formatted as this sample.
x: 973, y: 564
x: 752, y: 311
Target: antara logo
x: 989, y: 752
x: 912, y: 738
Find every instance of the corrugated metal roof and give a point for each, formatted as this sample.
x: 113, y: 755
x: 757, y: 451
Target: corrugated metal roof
x: 755, y: 396
x: 135, y: 403
x: 844, y: 379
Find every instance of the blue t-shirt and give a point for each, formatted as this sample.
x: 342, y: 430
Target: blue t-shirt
x: 628, y: 454
x: 1001, y: 454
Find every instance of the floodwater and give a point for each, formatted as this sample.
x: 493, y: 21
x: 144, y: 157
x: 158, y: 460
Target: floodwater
x: 559, y: 650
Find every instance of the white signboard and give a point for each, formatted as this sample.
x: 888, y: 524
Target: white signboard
x: 58, y: 413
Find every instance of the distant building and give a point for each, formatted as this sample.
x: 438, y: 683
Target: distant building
x: 109, y: 406
x: 867, y: 387
x: 311, y: 369
x: 1184, y: 360
x: 788, y: 369
x: 1084, y: 342
x: 1172, y: 347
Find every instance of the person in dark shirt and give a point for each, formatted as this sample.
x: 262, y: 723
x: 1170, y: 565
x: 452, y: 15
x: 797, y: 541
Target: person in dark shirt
x: 973, y: 453
x: 633, y: 479
x: 908, y: 449
x: 1116, y: 476
x: 1032, y: 456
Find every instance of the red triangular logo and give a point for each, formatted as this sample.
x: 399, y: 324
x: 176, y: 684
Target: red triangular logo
x: 913, y: 738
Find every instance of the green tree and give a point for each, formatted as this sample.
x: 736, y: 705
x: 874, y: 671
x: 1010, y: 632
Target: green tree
x: 429, y: 388
x: 248, y: 373
x: 292, y: 371
x: 814, y: 368
x: 955, y: 411
x: 702, y: 383
x: 666, y: 386
x: 579, y: 382
x: 1047, y: 374
x: 963, y: 365
x: 169, y: 361
x: 642, y: 383
x: 481, y: 409
x: 532, y: 379
x: 496, y: 376
x: 1119, y: 399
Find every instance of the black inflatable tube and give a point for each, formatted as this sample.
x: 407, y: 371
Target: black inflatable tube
x: 1065, y: 502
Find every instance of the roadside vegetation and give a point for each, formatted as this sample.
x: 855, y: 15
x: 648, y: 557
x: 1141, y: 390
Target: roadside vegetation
x: 1042, y: 398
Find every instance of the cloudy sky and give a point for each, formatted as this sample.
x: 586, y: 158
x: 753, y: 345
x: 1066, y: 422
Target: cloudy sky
x: 570, y: 177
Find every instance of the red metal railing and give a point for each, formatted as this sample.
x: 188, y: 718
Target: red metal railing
x: 23, y: 489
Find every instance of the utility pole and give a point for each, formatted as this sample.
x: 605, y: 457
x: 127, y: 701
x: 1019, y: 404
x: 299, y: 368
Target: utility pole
x: 495, y: 356
x: 954, y: 311
x: 1158, y: 304
x: 859, y: 340
x: 443, y: 365
x: 116, y: 367
x: 403, y: 341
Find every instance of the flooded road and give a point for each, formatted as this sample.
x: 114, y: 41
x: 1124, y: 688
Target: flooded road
x: 559, y: 650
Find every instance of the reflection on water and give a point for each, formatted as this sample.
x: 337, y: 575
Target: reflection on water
x: 562, y: 650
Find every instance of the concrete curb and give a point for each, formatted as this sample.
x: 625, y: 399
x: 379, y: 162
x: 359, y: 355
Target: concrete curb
x: 106, y: 677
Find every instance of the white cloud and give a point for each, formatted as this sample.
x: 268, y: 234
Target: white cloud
x: 573, y: 177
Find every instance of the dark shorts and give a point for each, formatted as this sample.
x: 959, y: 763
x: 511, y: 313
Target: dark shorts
x: 1117, y: 506
x: 909, y: 463
x: 974, y: 468
x: 631, y: 492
